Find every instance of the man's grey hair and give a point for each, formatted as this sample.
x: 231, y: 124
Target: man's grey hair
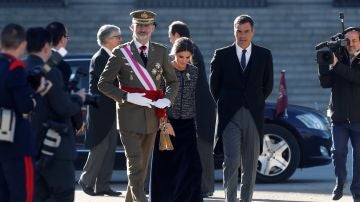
x: 105, y: 32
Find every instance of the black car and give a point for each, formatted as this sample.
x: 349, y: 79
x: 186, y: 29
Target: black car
x: 300, y: 139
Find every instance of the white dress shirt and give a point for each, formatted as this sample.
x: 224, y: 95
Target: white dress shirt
x: 138, y: 45
x: 239, y: 53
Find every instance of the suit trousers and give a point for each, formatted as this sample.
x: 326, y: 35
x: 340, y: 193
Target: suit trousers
x: 138, y: 148
x: 241, y: 148
x: 207, y: 163
x: 341, y: 134
x: 56, y: 182
x: 100, y: 163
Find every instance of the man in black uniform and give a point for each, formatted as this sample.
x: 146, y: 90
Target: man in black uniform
x: 17, y: 101
x: 56, y: 175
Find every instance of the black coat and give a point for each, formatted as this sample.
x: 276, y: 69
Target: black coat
x: 99, y: 121
x: 232, y: 88
x: 57, y: 106
x: 205, y: 106
x: 344, y: 81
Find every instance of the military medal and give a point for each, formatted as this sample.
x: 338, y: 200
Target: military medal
x: 153, y: 71
x: 158, y: 77
x: 131, y: 76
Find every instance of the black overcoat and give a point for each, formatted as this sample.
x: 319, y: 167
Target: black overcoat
x: 99, y: 120
x: 233, y: 88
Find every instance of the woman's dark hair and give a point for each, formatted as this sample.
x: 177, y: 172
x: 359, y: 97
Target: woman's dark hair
x: 182, y: 44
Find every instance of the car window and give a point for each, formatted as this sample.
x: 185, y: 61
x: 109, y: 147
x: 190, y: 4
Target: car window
x: 80, y: 72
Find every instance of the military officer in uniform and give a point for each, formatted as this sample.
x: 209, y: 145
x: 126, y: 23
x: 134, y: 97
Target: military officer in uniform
x: 139, y: 66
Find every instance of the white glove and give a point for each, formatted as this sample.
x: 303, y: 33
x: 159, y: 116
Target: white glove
x: 138, y: 99
x: 162, y: 103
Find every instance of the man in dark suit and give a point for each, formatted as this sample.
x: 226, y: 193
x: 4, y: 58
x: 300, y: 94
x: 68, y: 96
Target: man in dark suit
x: 205, y: 111
x: 60, y: 39
x: 139, y: 66
x: 101, y: 135
x: 241, y: 79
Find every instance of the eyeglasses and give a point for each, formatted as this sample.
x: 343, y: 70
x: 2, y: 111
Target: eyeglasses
x: 117, y: 36
x: 67, y: 37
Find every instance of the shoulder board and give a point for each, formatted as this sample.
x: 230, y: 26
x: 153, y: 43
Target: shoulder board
x: 124, y: 44
x: 158, y: 44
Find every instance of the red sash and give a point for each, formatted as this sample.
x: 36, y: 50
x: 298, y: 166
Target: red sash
x: 151, y: 94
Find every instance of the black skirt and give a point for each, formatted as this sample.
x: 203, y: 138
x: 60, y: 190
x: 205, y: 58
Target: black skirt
x: 176, y: 174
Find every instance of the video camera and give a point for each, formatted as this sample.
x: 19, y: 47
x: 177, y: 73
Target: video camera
x: 93, y: 100
x: 336, y: 45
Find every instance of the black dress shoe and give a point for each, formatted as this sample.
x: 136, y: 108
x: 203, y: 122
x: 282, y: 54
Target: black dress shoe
x: 108, y: 192
x: 207, y: 194
x: 87, y: 190
x: 337, y: 192
x: 356, y: 197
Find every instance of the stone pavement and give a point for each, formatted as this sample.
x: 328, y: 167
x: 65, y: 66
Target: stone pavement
x: 306, y: 185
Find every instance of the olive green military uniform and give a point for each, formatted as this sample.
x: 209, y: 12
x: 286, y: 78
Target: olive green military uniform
x: 137, y: 124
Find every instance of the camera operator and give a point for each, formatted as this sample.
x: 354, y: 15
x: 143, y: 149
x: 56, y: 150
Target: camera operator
x: 16, y: 103
x: 343, y: 77
x: 56, y: 143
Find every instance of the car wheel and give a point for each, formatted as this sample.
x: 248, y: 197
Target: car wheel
x: 280, y: 156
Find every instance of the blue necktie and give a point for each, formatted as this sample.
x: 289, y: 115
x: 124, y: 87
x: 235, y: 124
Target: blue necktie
x: 243, y: 60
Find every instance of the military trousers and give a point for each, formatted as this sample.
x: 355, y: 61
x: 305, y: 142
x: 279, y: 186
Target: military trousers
x: 138, y: 148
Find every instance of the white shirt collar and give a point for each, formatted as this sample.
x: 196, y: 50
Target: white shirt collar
x: 247, y: 54
x: 248, y: 49
x: 138, y: 45
x: 108, y: 51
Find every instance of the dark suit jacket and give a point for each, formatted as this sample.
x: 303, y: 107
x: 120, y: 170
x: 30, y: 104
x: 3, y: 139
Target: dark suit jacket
x: 66, y: 71
x: 232, y: 88
x: 205, y: 106
x: 99, y: 121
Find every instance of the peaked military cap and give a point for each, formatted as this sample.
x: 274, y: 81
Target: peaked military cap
x: 143, y: 17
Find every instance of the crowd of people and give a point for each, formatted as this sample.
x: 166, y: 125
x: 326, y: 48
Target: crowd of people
x: 146, y: 92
